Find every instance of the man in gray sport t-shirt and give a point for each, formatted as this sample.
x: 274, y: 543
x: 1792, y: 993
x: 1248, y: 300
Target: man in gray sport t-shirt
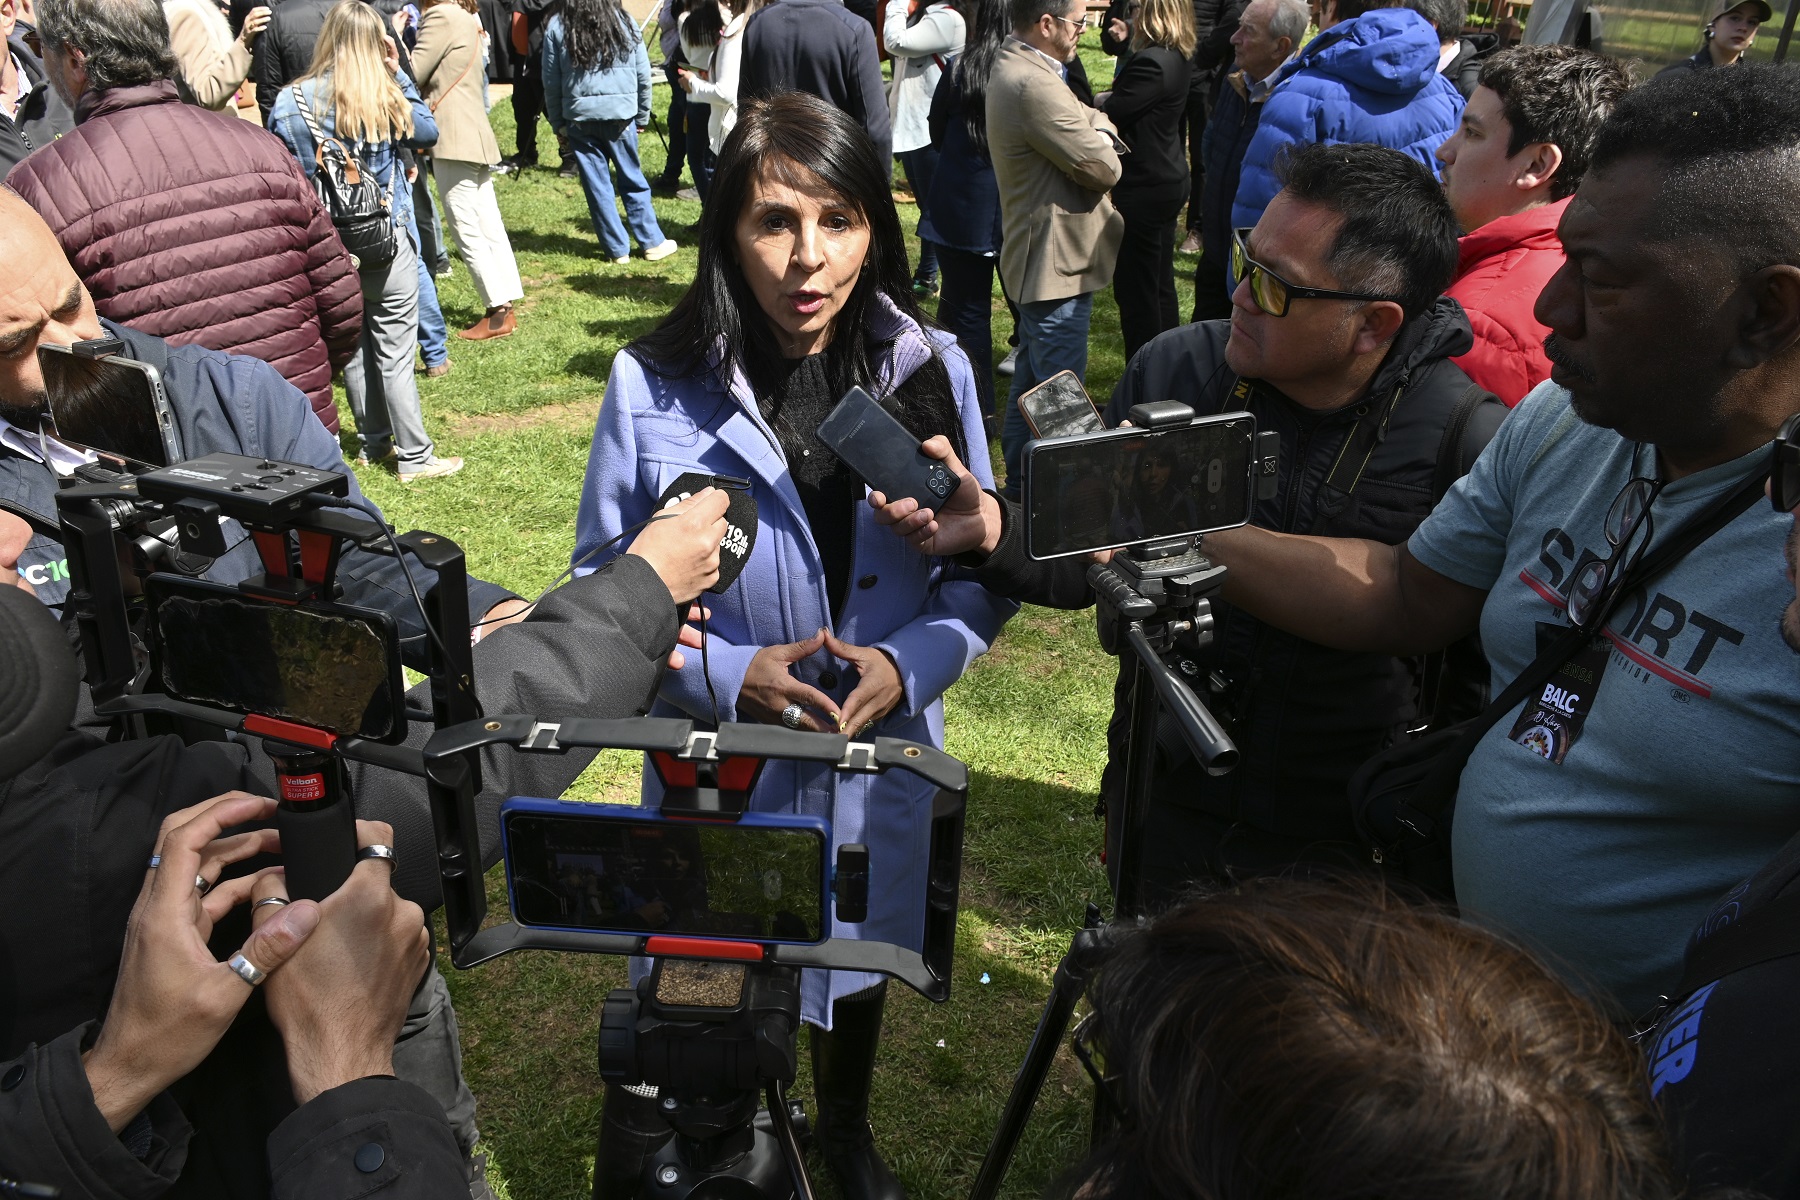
x: 1601, y: 820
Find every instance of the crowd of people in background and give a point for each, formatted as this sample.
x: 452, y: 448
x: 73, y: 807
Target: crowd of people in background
x: 1519, y: 322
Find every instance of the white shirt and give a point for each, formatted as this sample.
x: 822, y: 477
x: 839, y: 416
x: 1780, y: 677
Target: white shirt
x: 21, y: 83
x: 58, y: 455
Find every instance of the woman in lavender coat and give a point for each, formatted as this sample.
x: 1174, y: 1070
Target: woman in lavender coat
x: 802, y: 291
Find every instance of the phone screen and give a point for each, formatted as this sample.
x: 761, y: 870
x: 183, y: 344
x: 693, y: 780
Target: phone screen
x: 1126, y: 486
x: 647, y: 875
x: 105, y: 403
x: 328, y: 666
x: 1060, y: 407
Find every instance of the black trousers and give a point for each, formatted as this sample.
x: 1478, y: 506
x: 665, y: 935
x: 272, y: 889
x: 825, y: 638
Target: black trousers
x: 1144, y: 280
x: 528, y: 103
x: 966, y: 308
x: 1212, y: 289
x: 1199, y: 104
x: 678, y: 132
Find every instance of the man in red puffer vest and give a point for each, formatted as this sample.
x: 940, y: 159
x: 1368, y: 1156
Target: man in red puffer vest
x: 1508, y: 172
x: 195, y: 226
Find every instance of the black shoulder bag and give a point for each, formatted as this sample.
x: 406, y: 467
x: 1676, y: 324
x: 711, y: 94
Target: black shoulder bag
x: 1403, y: 800
x: 362, y: 213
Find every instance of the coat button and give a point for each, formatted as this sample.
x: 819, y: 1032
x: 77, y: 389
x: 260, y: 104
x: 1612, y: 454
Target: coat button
x: 866, y: 582
x: 828, y: 679
x: 13, y: 1078
x: 369, y: 1157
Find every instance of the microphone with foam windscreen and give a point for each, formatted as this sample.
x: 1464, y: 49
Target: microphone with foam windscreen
x: 740, y: 520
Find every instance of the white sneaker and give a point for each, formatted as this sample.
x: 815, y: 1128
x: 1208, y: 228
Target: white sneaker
x: 1010, y: 363
x: 434, y: 468
x: 688, y: 194
x: 621, y: 260
x: 663, y: 251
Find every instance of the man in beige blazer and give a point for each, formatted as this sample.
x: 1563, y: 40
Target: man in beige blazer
x: 1054, y: 159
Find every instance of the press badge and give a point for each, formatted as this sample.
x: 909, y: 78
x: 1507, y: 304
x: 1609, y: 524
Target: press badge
x: 1551, y: 724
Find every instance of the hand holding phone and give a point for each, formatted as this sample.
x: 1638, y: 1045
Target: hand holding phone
x: 874, y: 444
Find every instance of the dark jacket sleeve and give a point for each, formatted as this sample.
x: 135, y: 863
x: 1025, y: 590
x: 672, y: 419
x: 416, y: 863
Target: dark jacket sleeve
x: 1118, y: 9
x: 1138, y: 88
x: 52, y: 1133
x: 378, y: 1135
x: 271, y: 65
x: 594, y: 647
x: 865, y: 65
x: 1214, y: 49
x: 1010, y: 572
x: 946, y: 106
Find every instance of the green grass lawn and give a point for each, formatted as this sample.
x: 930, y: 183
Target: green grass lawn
x: 1028, y: 720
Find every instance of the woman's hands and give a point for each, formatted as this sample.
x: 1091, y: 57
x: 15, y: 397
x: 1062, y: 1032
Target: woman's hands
x: 174, y: 1001
x: 769, y: 686
x: 255, y: 21
x: 878, y: 691
x: 685, y: 79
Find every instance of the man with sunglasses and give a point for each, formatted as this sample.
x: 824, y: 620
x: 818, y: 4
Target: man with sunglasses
x: 31, y: 113
x: 1337, y: 341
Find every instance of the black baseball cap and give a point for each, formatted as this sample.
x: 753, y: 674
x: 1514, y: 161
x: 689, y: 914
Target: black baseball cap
x: 38, y: 680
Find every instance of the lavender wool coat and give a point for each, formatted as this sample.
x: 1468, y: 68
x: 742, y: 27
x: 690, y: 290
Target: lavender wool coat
x: 653, y: 429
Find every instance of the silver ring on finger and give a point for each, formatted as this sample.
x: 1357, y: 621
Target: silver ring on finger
x: 793, y: 715
x: 202, y: 884
x: 276, y: 900
x: 379, y: 851
x: 155, y: 862
x: 246, y: 970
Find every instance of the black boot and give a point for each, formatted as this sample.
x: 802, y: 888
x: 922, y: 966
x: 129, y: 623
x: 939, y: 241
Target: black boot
x: 843, y: 1063
x: 631, y: 1132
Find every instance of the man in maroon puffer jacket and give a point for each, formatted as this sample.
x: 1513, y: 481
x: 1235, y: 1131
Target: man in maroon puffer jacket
x: 192, y: 225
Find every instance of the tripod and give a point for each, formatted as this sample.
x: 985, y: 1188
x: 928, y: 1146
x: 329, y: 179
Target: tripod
x: 713, y: 1038
x: 1154, y: 600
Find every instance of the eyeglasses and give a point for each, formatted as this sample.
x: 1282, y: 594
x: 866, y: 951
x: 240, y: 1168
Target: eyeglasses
x: 1590, y: 594
x: 1093, y: 1061
x: 1079, y: 25
x: 1784, y: 467
x: 1271, y: 292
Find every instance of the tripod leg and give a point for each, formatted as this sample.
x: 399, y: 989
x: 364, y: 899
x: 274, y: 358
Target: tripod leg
x: 1052, y: 1027
x: 788, y: 1140
x: 632, y: 1130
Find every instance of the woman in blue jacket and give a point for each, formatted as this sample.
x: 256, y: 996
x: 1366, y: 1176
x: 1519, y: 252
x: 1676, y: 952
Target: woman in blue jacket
x: 802, y: 291
x: 355, y: 93
x: 597, y: 97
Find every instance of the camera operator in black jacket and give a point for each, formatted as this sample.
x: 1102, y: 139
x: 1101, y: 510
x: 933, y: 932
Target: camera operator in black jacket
x: 1339, y: 341
x: 77, y: 826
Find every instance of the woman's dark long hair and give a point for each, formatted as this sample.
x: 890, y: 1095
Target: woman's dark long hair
x: 989, y: 21
x: 704, y: 23
x: 599, y: 33
x: 817, y: 148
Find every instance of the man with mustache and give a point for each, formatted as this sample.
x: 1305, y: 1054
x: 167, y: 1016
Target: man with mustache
x: 1599, y: 822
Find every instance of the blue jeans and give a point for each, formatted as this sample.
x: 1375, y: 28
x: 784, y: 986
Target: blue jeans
x: 434, y: 346
x: 920, y: 166
x: 600, y: 147
x: 1053, y: 336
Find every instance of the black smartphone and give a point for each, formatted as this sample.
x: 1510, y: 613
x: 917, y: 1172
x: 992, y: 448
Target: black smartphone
x: 110, y: 402
x: 1060, y: 407
x: 874, y: 444
x: 618, y: 869
x: 331, y: 666
x: 1120, y: 487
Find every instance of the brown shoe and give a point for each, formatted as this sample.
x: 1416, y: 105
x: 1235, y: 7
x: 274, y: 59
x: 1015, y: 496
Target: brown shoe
x: 498, y: 323
x: 437, y: 372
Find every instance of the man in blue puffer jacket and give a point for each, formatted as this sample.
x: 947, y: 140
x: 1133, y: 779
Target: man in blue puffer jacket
x: 1372, y: 76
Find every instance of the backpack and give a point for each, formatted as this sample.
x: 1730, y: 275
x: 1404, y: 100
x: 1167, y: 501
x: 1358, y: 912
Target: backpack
x: 361, y: 213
